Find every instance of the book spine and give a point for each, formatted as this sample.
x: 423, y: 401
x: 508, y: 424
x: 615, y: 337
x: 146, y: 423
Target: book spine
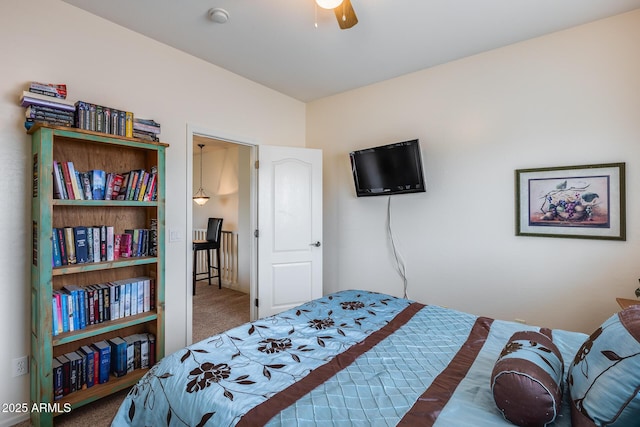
x: 80, y: 237
x: 49, y: 89
x: 33, y: 100
x: 57, y: 259
x: 110, y: 243
x: 106, y: 111
x: 128, y: 124
x: 114, y: 121
x: 122, y: 123
x: 92, y: 117
x: 70, y: 245
x: 67, y: 180
x: 96, y: 244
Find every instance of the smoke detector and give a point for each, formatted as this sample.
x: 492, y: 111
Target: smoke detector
x: 218, y: 15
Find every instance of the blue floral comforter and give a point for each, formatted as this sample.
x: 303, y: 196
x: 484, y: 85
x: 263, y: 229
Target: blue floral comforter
x: 353, y: 358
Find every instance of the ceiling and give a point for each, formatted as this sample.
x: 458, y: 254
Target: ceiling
x: 275, y: 42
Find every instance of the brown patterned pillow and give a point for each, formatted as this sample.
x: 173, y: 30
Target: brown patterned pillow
x: 604, y: 378
x: 526, y: 381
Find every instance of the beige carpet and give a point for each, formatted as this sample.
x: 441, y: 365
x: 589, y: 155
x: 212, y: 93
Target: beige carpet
x: 214, y: 310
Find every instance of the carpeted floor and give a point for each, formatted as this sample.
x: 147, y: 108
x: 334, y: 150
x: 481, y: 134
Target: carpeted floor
x: 214, y: 310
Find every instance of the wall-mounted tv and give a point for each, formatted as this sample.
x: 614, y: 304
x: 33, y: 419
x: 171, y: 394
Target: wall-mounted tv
x: 388, y: 169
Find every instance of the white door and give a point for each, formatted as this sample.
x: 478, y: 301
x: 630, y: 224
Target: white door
x: 289, y: 227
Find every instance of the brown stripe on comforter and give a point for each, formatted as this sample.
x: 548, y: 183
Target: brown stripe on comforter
x: 262, y: 413
x: 429, y: 405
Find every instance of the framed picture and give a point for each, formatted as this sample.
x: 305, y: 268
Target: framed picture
x: 586, y: 202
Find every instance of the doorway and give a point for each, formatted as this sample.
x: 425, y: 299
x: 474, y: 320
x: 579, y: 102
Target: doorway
x: 228, y: 179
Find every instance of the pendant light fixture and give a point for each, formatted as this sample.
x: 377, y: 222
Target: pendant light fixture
x: 200, y: 197
x: 329, y: 4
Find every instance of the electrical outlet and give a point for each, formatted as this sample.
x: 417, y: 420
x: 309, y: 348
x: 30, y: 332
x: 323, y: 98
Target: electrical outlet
x: 20, y: 366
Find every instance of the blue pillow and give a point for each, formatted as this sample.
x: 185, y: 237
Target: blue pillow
x: 526, y: 380
x: 604, y: 378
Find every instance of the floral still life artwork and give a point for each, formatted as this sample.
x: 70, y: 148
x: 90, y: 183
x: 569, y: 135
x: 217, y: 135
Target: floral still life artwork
x: 572, y: 202
x: 585, y: 201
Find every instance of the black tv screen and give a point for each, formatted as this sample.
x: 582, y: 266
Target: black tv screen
x: 388, y: 169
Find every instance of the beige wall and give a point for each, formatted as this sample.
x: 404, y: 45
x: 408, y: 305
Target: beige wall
x: 569, y: 98
x: 51, y: 41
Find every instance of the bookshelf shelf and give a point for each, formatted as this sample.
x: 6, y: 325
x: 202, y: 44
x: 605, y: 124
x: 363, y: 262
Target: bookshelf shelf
x: 102, y: 203
x: 103, y: 328
x: 88, y: 151
x: 106, y: 265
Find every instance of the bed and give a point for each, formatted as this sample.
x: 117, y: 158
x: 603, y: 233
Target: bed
x: 359, y: 358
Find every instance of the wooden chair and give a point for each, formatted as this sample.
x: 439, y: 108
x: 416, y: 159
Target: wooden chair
x: 214, y: 234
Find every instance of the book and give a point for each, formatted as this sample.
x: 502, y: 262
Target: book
x: 63, y: 246
x: 90, y: 244
x: 118, y: 356
x: 128, y: 132
x: 67, y: 180
x: 116, y: 246
x: 143, y: 339
x: 97, y: 178
x: 49, y: 89
x: 59, y: 191
x: 75, y: 369
x: 45, y: 113
x: 57, y: 259
x: 96, y: 243
x: 151, y: 186
x: 58, y: 391
x: 66, y: 373
x: 89, y: 354
x: 70, y: 245
x: 117, y: 183
x: 104, y: 353
x: 103, y: 243
x: 77, y: 189
x: 72, y: 307
x: 81, y: 245
x: 110, y: 243
x: 115, y: 122
x: 126, y: 245
x: 133, y: 352
x: 133, y: 297
x: 152, y: 349
x: 85, y: 179
x: 30, y: 98
x: 82, y: 115
x: 122, y: 193
x: 64, y: 312
x: 57, y: 312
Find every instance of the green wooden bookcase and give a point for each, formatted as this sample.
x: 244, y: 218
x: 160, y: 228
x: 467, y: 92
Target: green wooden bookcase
x: 88, y: 150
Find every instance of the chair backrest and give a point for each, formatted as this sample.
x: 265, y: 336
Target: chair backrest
x: 214, y: 230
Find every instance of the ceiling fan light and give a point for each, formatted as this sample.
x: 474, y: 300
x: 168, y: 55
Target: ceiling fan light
x: 329, y: 4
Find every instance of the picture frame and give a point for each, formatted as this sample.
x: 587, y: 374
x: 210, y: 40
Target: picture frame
x: 583, y: 202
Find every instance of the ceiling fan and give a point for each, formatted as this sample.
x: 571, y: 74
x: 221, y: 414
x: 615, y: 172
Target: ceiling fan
x: 343, y: 10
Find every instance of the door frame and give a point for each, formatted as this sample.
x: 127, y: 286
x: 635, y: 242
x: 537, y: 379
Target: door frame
x: 193, y: 130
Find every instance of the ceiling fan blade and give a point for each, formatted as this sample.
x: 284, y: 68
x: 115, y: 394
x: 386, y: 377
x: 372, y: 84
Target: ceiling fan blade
x: 346, y: 15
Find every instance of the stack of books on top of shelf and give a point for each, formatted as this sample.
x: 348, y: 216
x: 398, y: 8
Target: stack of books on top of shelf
x: 146, y: 129
x: 47, y: 103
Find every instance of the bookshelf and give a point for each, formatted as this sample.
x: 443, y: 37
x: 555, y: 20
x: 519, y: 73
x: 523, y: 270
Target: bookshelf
x: 88, y: 150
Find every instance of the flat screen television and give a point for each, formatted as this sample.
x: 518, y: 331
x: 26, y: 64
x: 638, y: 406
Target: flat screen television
x: 388, y: 169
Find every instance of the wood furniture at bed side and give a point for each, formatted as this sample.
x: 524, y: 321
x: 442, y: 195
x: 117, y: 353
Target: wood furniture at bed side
x: 88, y: 150
x: 626, y: 303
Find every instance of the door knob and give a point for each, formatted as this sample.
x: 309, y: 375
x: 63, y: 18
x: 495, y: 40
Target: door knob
x: 316, y: 244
